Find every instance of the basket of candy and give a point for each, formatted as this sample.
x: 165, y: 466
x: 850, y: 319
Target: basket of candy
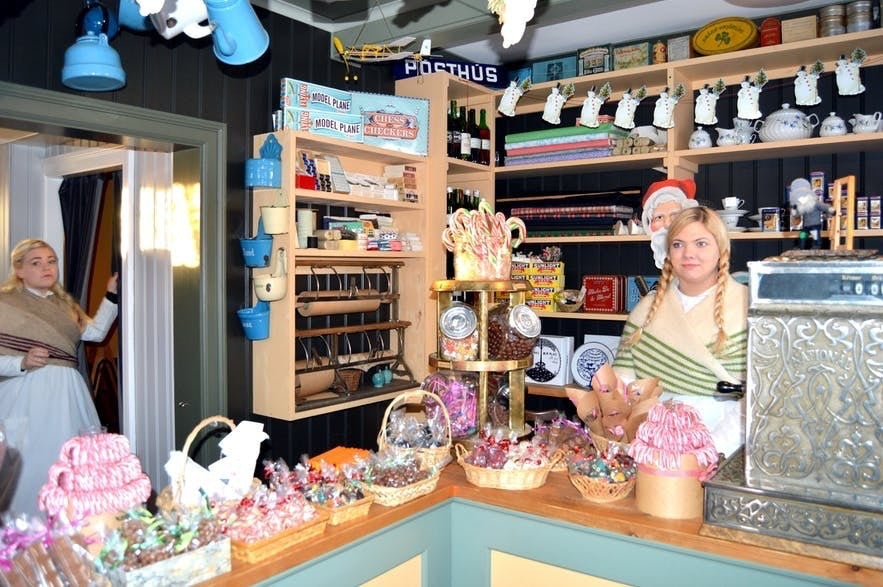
x: 506, y: 463
x: 603, y: 477
x: 425, y: 433
x: 397, y: 478
x: 567, y: 436
x: 336, y: 491
x: 482, y: 242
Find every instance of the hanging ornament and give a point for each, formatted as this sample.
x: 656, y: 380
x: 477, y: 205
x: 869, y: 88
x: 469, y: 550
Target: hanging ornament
x: 806, y: 90
x: 748, y: 98
x: 849, y: 82
x: 706, y: 103
x: 513, y: 16
x: 625, y: 110
x: 555, y: 102
x: 592, y: 105
x: 511, y: 96
x: 663, y: 113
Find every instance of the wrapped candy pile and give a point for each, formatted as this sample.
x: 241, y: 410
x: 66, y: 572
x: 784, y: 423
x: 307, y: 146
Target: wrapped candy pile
x: 322, y: 484
x: 404, y: 430
x: 34, y: 553
x: 494, y: 450
x: 609, y: 467
x: 572, y: 438
x: 393, y: 469
x: 458, y: 391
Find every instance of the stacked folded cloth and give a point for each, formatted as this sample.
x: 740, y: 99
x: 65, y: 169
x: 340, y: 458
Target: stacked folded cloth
x: 562, y: 144
x: 576, y: 213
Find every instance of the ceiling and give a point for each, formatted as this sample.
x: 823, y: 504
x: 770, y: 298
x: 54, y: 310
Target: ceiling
x: 467, y: 30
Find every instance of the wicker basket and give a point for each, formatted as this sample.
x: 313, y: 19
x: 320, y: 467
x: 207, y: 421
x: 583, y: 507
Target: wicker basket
x: 252, y: 552
x: 351, y: 377
x: 393, y: 496
x: 515, y: 479
x: 600, y: 490
x: 429, y: 457
x: 604, y: 444
x: 345, y: 513
x: 169, y: 499
x: 561, y: 300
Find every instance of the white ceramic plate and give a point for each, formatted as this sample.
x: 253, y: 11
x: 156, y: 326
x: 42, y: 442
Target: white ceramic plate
x: 732, y: 212
x: 737, y: 229
x: 588, y: 358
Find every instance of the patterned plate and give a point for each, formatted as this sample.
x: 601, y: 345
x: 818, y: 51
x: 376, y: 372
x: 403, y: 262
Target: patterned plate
x: 588, y: 358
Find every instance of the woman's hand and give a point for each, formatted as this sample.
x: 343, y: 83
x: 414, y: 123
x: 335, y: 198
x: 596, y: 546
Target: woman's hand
x: 37, y: 357
x: 113, y: 283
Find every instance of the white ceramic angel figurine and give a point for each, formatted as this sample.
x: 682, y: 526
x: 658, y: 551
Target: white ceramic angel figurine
x: 663, y: 113
x: 625, y: 110
x: 849, y: 82
x: 706, y: 102
x: 806, y: 90
x: 511, y: 96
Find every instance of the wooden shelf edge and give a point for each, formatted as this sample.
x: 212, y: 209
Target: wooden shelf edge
x: 617, y: 317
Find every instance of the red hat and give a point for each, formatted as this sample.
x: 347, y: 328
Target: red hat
x: 687, y: 187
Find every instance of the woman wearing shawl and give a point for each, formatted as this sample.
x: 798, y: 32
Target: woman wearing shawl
x: 692, y: 331
x: 44, y: 400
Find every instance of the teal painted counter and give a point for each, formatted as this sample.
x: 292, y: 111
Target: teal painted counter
x: 460, y: 536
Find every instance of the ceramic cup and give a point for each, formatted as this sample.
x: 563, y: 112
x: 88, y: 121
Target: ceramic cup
x: 732, y: 203
x: 730, y: 220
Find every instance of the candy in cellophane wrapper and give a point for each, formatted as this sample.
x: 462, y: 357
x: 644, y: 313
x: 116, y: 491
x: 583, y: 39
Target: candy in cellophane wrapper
x: 458, y: 390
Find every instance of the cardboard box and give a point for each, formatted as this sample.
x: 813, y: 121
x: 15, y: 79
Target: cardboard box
x: 679, y: 48
x: 554, y: 69
x: 800, y: 29
x: 347, y: 127
x: 397, y: 123
x: 551, y: 361
x: 633, y: 292
x: 308, y: 96
x: 633, y: 55
x: 604, y: 293
x: 537, y: 267
x: 593, y: 60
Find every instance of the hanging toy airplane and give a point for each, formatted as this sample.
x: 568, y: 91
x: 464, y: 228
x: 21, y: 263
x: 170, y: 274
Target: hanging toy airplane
x: 377, y: 52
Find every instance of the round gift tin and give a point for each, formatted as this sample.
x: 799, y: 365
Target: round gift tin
x: 725, y: 35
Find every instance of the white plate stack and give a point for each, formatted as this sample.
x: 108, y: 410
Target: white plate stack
x: 731, y: 218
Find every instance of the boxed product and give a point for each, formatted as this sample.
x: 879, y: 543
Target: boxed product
x: 633, y: 289
x: 874, y: 211
x: 679, y: 48
x: 404, y: 179
x: 300, y: 94
x: 551, y: 361
x: 398, y: 123
x: 861, y: 213
x: 593, y: 60
x: 632, y: 55
x: 556, y: 68
x: 347, y: 127
x: 604, y: 293
x: 529, y: 266
x: 800, y: 29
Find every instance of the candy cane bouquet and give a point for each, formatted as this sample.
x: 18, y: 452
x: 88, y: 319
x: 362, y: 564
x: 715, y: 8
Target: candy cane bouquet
x: 482, y: 243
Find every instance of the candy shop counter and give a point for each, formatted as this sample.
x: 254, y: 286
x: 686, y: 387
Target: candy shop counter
x: 464, y: 535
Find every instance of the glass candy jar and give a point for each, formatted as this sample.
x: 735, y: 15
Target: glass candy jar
x: 512, y: 332
x: 458, y: 333
x: 458, y: 391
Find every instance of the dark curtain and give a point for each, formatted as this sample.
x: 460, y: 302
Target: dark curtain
x: 80, y: 205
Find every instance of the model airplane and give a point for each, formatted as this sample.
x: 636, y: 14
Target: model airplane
x: 377, y: 52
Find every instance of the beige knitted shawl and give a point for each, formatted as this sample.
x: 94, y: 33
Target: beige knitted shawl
x: 29, y: 320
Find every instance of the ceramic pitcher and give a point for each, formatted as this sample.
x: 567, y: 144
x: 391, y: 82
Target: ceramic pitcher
x: 862, y: 123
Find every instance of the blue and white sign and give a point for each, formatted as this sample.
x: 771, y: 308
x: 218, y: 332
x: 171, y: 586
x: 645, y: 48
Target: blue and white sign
x: 492, y: 76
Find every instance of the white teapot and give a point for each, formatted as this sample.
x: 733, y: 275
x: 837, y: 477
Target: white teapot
x: 832, y: 126
x: 863, y: 123
x: 727, y: 137
x: 700, y: 139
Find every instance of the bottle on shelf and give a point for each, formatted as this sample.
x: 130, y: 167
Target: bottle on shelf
x: 484, y: 133
x: 465, y: 138
x: 453, y: 131
x: 474, y: 138
x: 476, y: 199
x: 467, y: 200
x: 450, y: 205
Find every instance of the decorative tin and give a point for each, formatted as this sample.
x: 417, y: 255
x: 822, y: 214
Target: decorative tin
x: 814, y: 404
x: 725, y: 35
x: 632, y: 55
x: 604, y: 293
x: 770, y: 32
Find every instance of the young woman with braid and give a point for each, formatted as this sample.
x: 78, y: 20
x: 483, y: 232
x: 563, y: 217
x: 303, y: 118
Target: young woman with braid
x: 693, y: 330
x: 44, y: 400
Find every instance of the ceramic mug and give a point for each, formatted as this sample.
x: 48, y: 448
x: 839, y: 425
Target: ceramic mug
x: 732, y: 202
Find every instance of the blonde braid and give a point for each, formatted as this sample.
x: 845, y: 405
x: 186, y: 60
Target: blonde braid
x: 661, y: 288
x: 723, y: 274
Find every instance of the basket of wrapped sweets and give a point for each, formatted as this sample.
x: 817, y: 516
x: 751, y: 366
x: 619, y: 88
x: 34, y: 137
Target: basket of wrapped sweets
x: 425, y: 433
x: 603, y: 477
x: 336, y: 491
x: 506, y: 463
x: 567, y: 436
x: 397, y: 478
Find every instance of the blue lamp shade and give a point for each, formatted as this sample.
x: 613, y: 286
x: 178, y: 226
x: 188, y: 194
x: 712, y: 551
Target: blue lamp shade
x: 92, y: 65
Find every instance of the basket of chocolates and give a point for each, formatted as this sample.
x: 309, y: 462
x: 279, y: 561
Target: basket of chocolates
x: 501, y: 462
x: 604, y: 476
x: 336, y: 491
x: 567, y: 436
x: 394, y: 478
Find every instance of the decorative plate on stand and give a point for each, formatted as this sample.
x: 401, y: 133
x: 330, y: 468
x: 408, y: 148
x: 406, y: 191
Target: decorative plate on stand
x: 589, y: 357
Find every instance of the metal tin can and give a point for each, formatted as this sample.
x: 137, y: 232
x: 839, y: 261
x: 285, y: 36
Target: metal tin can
x: 770, y: 32
x: 458, y: 333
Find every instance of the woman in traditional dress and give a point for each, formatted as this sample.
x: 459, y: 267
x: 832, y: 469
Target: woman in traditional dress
x: 692, y: 332
x: 44, y: 400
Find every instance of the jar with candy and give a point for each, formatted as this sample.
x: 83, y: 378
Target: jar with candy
x: 512, y: 331
x: 458, y: 333
x: 458, y: 390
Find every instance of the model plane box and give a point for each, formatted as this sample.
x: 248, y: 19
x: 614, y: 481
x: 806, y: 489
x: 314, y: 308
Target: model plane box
x: 309, y: 96
x: 347, y: 127
x: 398, y: 123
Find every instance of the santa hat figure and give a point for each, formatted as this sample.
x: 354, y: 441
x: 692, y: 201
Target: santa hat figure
x: 682, y: 191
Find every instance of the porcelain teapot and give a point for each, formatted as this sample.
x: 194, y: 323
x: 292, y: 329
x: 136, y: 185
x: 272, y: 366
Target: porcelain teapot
x: 700, y: 139
x: 745, y: 130
x: 785, y: 125
x: 727, y: 137
x: 832, y: 126
x: 862, y: 123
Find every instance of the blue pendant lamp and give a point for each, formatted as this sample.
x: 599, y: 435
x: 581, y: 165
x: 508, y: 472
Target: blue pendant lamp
x: 91, y: 64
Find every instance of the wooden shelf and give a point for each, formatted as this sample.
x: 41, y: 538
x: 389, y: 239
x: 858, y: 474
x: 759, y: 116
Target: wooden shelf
x: 362, y: 203
x: 611, y: 317
x: 349, y: 149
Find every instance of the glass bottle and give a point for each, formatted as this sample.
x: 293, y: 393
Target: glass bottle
x: 465, y: 139
x: 484, y: 133
x: 453, y: 131
x: 474, y: 138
